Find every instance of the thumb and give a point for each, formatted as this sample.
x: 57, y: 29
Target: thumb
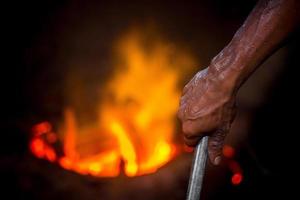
x: 215, y: 145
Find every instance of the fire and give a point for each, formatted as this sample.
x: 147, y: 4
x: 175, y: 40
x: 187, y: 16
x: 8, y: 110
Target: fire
x: 135, y: 129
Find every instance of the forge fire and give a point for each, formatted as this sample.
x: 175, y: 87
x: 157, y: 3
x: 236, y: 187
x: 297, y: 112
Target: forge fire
x: 135, y: 130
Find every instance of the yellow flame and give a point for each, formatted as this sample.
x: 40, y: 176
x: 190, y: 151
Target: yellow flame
x: 126, y: 149
x: 136, y: 113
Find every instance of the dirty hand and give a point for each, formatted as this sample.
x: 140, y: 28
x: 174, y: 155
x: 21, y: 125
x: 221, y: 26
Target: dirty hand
x: 207, y: 107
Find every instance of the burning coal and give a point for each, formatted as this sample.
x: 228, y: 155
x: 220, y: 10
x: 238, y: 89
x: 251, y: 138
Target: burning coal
x: 135, y: 129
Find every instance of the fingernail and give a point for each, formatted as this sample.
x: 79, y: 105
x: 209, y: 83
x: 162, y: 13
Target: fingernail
x: 217, y: 160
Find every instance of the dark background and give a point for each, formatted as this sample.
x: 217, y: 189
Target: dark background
x: 44, y: 39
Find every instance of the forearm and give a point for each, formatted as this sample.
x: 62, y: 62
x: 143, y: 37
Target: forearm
x: 264, y: 31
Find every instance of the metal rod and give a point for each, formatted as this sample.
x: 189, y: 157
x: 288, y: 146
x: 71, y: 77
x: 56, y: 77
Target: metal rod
x: 198, y: 170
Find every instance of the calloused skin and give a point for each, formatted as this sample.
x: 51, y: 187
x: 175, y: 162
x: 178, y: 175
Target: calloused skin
x: 207, y: 105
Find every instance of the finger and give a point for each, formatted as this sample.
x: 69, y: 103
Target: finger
x: 192, y: 141
x: 197, y: 127
x: 182, y: 106
x: 180, y: 113
x: 183, y: 100
x: 215, y: 145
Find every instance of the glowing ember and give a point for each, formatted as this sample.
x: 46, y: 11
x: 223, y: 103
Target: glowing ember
x: 236, y: 179
x: 228, y: 151
x: 135, y: 128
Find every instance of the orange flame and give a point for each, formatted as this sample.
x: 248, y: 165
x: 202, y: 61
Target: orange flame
x: 135, y: 128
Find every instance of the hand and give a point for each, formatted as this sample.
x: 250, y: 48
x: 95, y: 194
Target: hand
x: 207, y: 107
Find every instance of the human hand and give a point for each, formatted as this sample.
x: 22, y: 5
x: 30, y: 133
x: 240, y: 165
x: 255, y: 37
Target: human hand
x: 207, y: 107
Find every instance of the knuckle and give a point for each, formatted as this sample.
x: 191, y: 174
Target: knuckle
x: 188, y: 129
x: 179, y: 114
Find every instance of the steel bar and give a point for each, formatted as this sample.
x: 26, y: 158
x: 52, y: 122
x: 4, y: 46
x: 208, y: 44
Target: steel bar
x: 197, y: 170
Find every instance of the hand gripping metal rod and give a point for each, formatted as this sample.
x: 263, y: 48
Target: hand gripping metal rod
x: 198, y: 170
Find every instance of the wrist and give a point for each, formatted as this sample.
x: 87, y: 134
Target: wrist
x: 227, y: 69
